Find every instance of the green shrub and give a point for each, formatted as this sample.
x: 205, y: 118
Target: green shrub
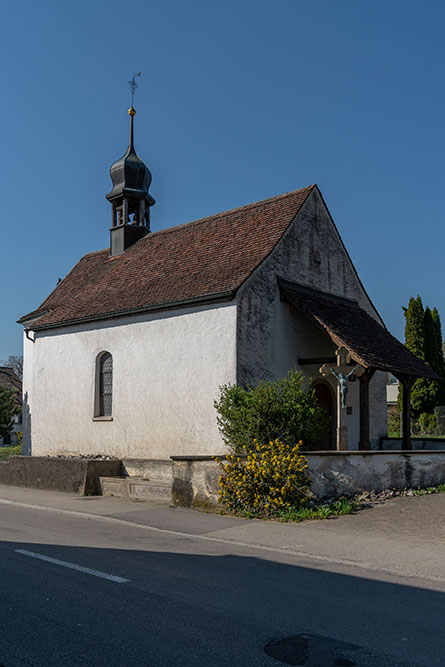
x: 6, y: 452
x: 271, y: 479
x: 286, y: 408
x: 394, y: 424
x: 427, y: 424
x: 7, y: 410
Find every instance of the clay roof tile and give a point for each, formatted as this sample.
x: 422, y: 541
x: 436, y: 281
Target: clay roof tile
x: 210, y: 256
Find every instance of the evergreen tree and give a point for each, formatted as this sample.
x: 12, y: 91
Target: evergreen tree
x: 440, y: 367
x: 429, y: 346
x: 426, y: 393
x: 414, y: 341
x: 423, y: 337
x: 7, y: 410
x: 414, y: 327
x: 439, y: 362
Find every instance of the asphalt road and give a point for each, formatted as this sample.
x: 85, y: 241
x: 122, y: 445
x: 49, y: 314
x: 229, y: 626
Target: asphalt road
x: 85, y: 590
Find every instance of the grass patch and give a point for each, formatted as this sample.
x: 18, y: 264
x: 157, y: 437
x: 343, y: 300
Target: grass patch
x: 6, y: 452
x: 339, y: 507
x: 324, y: 511
x: 440, y: 488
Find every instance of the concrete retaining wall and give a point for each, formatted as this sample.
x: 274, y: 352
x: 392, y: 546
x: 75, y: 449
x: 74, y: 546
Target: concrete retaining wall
x: 69, y: 475
x: 335, y: 474
x: 195, y: 479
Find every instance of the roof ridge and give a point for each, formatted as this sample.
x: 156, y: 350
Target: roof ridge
x: 230, y: 211
x: 93, y: 252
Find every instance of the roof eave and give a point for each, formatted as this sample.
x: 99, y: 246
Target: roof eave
x: 29, y: 319
x: 284, y: 285
x: 183, y: 303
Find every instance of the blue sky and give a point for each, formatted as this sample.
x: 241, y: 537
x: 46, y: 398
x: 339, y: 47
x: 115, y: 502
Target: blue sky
x: 238, y: 101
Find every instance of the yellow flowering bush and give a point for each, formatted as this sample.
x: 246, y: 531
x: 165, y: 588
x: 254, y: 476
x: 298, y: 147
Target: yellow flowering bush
x: 269, y: 479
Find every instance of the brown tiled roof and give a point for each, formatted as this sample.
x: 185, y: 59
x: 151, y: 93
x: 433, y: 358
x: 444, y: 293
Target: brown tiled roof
x: 211, y: 256
x: 8, y: 378
x: 368, y: 343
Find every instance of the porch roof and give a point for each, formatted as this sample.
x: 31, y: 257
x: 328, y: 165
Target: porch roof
x: 369, y: 343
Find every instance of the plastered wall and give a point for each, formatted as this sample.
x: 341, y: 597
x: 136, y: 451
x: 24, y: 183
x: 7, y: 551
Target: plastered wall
x: 167, y: 368
x: 272, y: 335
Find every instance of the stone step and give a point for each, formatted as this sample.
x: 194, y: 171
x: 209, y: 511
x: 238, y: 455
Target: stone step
x: 136, y: 488
x: 113, y: 486
x: 144, y: 489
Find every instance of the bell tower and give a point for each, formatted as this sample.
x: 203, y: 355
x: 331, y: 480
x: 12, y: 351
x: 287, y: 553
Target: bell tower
x: 129, y: 198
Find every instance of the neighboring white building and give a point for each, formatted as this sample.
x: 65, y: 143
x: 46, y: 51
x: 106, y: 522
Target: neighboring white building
x: 127, y: 354
x: 392, y: 392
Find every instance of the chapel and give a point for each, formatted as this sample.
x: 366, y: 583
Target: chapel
x: 126, y: 356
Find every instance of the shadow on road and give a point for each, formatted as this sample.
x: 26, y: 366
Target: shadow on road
x: 201, y: 610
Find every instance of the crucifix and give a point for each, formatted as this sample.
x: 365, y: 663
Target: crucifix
x: 342, y: 372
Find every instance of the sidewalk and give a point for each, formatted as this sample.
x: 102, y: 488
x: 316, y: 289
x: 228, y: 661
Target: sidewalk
x: 404, y: 536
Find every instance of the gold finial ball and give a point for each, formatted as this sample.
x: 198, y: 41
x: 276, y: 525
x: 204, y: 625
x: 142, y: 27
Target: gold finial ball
x: 131, y: 111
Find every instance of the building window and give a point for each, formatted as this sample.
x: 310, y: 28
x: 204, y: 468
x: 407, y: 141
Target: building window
x: 104, y: 385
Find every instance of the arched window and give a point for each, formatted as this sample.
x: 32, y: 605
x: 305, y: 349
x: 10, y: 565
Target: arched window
x: 104, y: 385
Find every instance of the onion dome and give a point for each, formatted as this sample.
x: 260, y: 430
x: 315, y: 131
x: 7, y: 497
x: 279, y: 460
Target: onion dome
x: 130, y: 175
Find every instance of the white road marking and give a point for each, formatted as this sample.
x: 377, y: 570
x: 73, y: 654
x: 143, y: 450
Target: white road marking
x: 72, y: 566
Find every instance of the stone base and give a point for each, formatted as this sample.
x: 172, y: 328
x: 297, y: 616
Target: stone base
x: 136, y: 489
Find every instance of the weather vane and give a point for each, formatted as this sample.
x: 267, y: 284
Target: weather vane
x: 133, y: 85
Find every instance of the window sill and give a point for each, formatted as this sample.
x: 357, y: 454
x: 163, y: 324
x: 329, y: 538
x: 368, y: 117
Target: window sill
x: 102, y: 419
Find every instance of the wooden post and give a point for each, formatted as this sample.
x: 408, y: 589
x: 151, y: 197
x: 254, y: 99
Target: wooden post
x: 407, y: 382
x: 125, y: 212
x: 364, y: 442
x: 342, y: 428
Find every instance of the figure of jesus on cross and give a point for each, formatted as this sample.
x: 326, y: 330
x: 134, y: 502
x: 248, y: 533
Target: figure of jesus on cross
x: 342, y: 380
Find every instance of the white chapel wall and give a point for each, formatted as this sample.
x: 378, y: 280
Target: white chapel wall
x: 272, y: 335
x: 167, y: 368
x: 297, y: 337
